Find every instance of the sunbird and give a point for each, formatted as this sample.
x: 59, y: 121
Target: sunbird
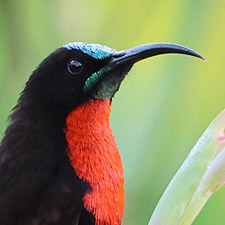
x: 59, y: 162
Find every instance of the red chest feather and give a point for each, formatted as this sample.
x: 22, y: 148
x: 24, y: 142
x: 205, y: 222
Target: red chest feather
x: 95, y: 158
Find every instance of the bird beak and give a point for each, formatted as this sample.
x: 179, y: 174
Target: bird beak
x: 138, y: 53
x: 111, y: 78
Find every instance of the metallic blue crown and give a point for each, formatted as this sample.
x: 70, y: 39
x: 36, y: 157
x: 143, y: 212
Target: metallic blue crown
x: 94, y: 50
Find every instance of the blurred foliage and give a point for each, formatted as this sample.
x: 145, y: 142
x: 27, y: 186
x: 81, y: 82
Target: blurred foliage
x: 165, y: 103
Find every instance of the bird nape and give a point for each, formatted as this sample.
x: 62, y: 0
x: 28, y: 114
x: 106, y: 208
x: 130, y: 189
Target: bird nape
x: 59, y: 163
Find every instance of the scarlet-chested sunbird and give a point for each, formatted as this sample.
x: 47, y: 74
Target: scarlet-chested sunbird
x: 59, y: 163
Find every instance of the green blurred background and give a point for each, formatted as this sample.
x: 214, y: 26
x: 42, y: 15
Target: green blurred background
x: 165, y: 103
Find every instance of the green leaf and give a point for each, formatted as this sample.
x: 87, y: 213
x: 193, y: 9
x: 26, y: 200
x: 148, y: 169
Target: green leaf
x: 202, y: 173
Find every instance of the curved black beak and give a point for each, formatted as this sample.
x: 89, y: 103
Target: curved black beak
x: 107, y: 83
x: 138, y: 53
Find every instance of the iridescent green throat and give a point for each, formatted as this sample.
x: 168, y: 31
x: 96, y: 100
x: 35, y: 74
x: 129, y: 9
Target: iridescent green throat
x: 103, y: 84
x: 95, y: 78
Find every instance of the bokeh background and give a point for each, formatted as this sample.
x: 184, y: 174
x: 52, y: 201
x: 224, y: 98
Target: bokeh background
x: 165, y: 103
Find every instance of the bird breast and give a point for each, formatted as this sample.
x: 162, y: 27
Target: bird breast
x: 94, y: 156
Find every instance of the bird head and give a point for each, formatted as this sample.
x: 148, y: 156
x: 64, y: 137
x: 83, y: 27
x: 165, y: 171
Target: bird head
x: 78, y: 72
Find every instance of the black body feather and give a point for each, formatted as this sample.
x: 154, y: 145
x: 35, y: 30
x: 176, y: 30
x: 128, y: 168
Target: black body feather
x: 38, y: 184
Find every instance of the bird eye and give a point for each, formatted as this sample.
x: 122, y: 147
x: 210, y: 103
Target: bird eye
x: 75, y: 66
